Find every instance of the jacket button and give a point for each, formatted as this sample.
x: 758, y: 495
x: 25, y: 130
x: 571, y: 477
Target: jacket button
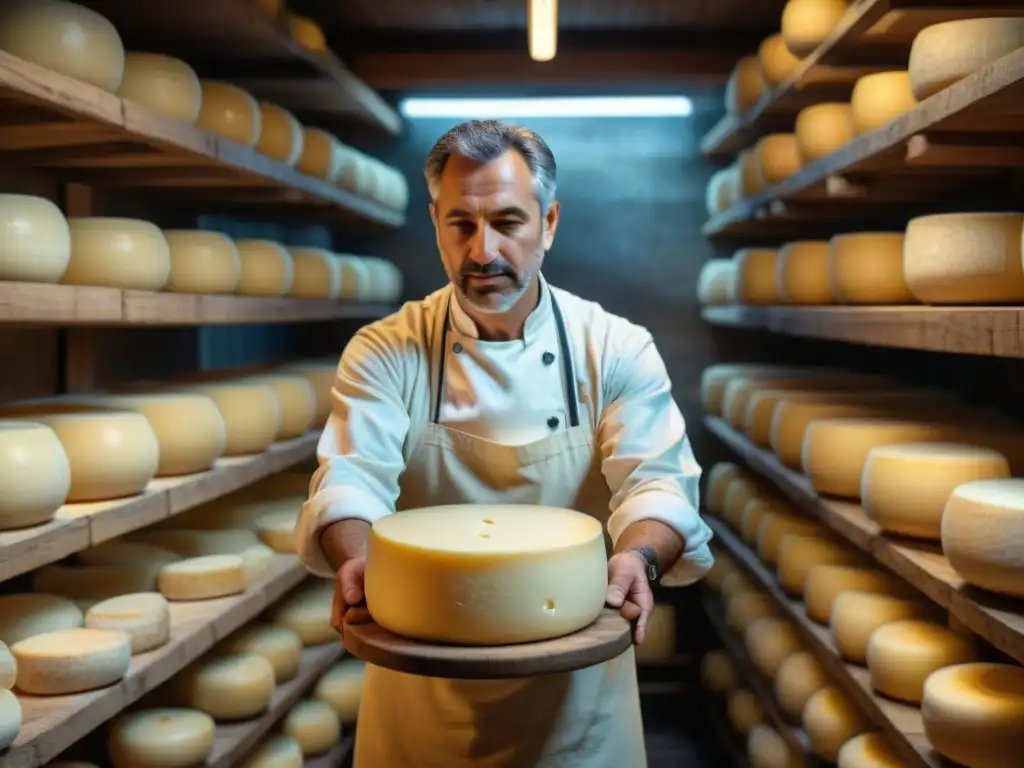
x: 553, y: 422
x: 456, y: 347
x: 548, y: 358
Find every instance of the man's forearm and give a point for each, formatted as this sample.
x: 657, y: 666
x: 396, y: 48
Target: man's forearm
x: 666, y: 543
x: 343, y: 540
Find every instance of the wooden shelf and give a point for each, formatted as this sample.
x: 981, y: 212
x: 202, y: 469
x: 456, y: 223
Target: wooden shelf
x: 988, y: 331
x: 996, y: 618
x: 901, y: 724
x: 51, y: 724
x: 80, y: 526
x: 335, y: 756
x: 81, y: 133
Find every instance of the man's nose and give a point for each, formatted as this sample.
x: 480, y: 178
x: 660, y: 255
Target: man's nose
x: 484, y: 247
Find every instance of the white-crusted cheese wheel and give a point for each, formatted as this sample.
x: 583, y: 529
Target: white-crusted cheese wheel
x: 230, y: 112
x: 341, y: 687
x: 26, y: 615
x: 774, y: 527
x: 744, y: 711
x: 71, y: 661
x: 198, y: 543
x: 162, y: 83
x: 823, y: 128
x: 933, y: 470
x: 778, y: 64
x: 660, y: 641
x: 321, y: 154
x: 89, y: 585
x: 35, y: 241
x: 770, y: 641
x: 880, y: 97
x: 799, y: 553
x: 767, y: 749
x: 296, y: 401
x: 117, y: 253
x: 281, y: 136
x: 8, y: 668
x: 869, y: 750
x: 202, y: 262
x: 250, y: 412
x: 776, y: 158
x: 166, y: 737
x: 230, y: 687
x: 945, y: 53
x: 307, y: 612
x: 64, y: 37
x: 799, y: 677
x: 755, y: 276
x: 317, y: 274
x: 744, y: 86
x: 281, y: 646
x: 716, y: 282
x: 806, y: 24
x: 34, y: 473
x: 965, y: 258
x: 321, y: 376
x: 902, y: 654
x: 973, y: 714
x: 277, y: 751
x: 867, y: 268
x: 982, y: 531
x: 718, y: 672
x: 201, y: 578
x: 447, y: 573
x: 826, y: 582
x: 855, y: 615
x: 267, y: 268
x: 277, y: 531
x: 144, y: 616
x: 306, y: 32
x: 801, y: 273
x: 314, y: 725
x: 747, y: 607
x: 836, y: 450
x: 830, y: 720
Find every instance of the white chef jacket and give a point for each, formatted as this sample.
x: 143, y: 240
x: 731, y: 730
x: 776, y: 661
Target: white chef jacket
x: 510, y: 392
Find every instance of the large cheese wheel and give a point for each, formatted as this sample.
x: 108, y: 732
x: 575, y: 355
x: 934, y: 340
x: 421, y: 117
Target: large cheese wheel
x: 10, y: 718
x: 806, y: 24
x: 826, y: 582
x: 933, y: 470
x: 277, y: 531
x: 250, y: 411
x: 778, y: 64
x: 314, y: 725
x: 202, y: 578
x: 770, y: 641
x: 982, y: 527
x: 202, y: 262
x: 446, y: 573
x: 296, y: 402
x: 799, y: 677
x: 355, y: 276
x: 34, y: 472
x: 35, y: 240
x: 321, y: 154
x: 869, y: 750
x: 117, y: 253
x: 281, y: 136
x: 867, y: 268
x: 767, y: 749
x: 71, y: 661
x: 342, y: 688
x: 232, y: 687
x: 741, y: 491
x: 776, y: 157
x: 307, y: 612
x: 823, y: 128
x: 716, y: 282
x: 755, y: 276
x: 744, y: 86
x: 879, y: 98
x: 830, y: 720
x: 798, y: 554
x: 774, y: 527
x: 306, y: 32
x: 714, y: 379
x: 747, y: 607
x: 280, y: 646
x: 144, y: 616
x: 965, y: 258
x: 317, y: 274
x: 801, y: 273
x: 230, y: 112
x: 164, y: 84
x: 855, y: 615
x: 8, y: 668
x: 92, y: 584
x: 25, y: 615
x: 740, y: 389
x: 902, y: 654
x: 744, y: 711
x: 943, y: 54
x: 278, y: 751
x: 321, y: 376
x: 64, y: 37
x: 973, y: 714
x: 167, y: 737
x: 267, y: 268
x: 760, y: 415
x: 718, y: 672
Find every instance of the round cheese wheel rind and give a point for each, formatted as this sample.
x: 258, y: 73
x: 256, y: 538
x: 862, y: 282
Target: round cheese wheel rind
x: 202, y: 578
x: 879, y: 98
x: 168, y: 737
x: 943, y: 54
x: 869, y: 750
x: 145, y: 617
x: 10, y: 718
x: 25, y: 615
x: 806, y: 24
x: 232, y: 687
x: 867, y: 268
x: 281, y: 646
x: 8, y: 668
x: 830, y: 720
x: 901, y: 655
x: 799, y: 677
x: 35, y: 474
x: 855, y: 615
x: 341, y: 687
x: 277, y: 751
x: 718, y: 672
x: 35, y: 240
x: 314, y: 725
x: 71, y: 661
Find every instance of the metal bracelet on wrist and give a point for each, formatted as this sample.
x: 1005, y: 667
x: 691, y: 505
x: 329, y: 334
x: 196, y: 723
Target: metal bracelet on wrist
x: 651, y: 558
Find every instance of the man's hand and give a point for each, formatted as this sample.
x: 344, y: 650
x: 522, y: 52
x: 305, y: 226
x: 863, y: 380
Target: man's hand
x: 348, y: 592
x: 629, y: 590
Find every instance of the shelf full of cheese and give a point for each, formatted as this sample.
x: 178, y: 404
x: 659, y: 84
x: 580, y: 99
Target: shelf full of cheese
x: 77, y: 105
x: 938, y: 531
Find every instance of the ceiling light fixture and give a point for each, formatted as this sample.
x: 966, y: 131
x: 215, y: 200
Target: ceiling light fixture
x: 542, y: 28
x: 547, y: 106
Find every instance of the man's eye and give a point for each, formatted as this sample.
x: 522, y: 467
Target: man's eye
x: 506, y: 224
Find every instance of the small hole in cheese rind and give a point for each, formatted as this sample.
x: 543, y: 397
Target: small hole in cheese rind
x: 484, y: 535
x: 549, y: 605
x: 488, y: 521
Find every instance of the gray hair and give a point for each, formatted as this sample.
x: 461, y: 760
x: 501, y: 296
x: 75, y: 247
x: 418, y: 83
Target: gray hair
x: 485, y: 140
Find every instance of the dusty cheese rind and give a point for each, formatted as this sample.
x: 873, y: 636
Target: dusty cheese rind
x: 855, y: 615
x: 144, y: 616
x: 826, y: 582
x: 830, y: 719
x: 867, y: 268
x: 342, y: 688
x: 869, y: 750
x: 91, y: 584
x: 943, y: 54
x: 660, y: 641
x: 716, y: 282
x: 823, y: 128
x: 27, y: 614
x: 718, y: 479
x: 162, y: 83
x: 767, y: 749
x: 933, y: 471
x: 35, y: 242
x: 801, y: 273
x: 267, y: 268
x: 281, y: 646
x: 799, y: 553
x: 744, y: 86
x: 168, y: 737
x: 770, y: 640
x: 755, y: 276
x: 799, y: 677
x: 775, y: 526
x: 232, y: 687
x: 745, y: 608
x: 34, y: 473
x: 231, y: 112
x: 879, y: 98
x: 744, y: 711
x: 485, y: 574
x: 8, y: 667
x: 117, y: 253
x: 973, y: 712
x: 314, y: 725
x: 202, y: 578
x: 277, y: 751
x: 902, y: 654
x: 718, y: 672
x: 777, y: 62
x: 806, y: 24
x: 10, y: 718
x: 71, y: 661
x: 250, y: 412
x: 308, y: 613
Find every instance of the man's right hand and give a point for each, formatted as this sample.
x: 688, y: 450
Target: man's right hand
x: 348, y: 590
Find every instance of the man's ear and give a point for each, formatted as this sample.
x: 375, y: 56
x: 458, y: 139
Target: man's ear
x: 433, y: 213
x: 551, y: 224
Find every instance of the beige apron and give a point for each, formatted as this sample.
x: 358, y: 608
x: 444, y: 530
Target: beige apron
x: 584, y: 719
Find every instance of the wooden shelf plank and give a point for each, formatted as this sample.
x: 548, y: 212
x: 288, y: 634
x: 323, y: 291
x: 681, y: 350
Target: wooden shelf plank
x: 80, y: 526
x: 51, y: 724
x: 335, y: 756
x: 988, y: 331
x: 996, y: 618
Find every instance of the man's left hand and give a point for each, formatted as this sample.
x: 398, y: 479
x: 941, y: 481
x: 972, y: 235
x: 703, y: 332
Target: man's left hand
x: 630, y: 591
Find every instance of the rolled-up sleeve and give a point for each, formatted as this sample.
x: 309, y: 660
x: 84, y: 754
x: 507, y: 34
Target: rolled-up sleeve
x: 647, y: 459
x: 360, y: 452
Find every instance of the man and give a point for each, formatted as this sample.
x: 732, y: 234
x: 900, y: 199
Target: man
x: 499, y: 388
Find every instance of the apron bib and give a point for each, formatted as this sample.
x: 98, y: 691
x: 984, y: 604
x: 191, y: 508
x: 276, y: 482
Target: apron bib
x: 584, y: 719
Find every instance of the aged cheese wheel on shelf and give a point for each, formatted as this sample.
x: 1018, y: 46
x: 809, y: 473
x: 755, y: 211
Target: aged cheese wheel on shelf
x: 771, y: 640
x: 321, y: 154
x: 760, y: 415
x: 716, y: 282
x: 806, y: 24
x: 774, y: 527
x: 144, y: 616
x: 965, y: 258
x: 162, y: 83
x: 35, y: 240
x: 933, y: 470
x: 230, y: 112
x: 715, y: 378
x: 258, y: 562
x: 823, y: 128
x: 202, y: 578
x: 197, y: 543
x: 278, y: 531
x: 314, y: 725
x: 973, y: 713
x: 281, y: 136
x: 307, y: 612
x: 943, y: 54
x: 855, y: 615
x: 767, y: 749
x: 754, y: 512
x: 25, y: 615
x: 755, y: 276
x: 296, y: 400
x: 744, y: 86
x: 869, y: 750
x: 341, y: 687
x: 777, y: 62
x: 879, y: 98
x: 721, y: 191
x: 799, y: 553
x: 982, y: 530
x: 170, y: 737
x: 741, y: 491
x: 232, y: 687
x: 830, y: 720
x: 826, y: 582
x: 419, y: 568
x: 117, y: 253
x: 751, y: 181
x: 8, y: 667
x: 801, y: 273
x: 745, y: 608
x: 660, y: 641
x: 67, y: 38
x: 718, y: 672
x: 280, y: 646
x: 321, y: 376
x: 740, y: 389
x: 902, y: 654
x: 92, y: 584
x: 354, y: 277
x: 306, y: 32
x: 250, y: 411
x: 776, y: 157
x: 867, y: 268
x: 317, y: 274
x: 278, y: 751
x: 71, y: 661
x: 267, y: 268
x: 352, y: 169
x: 799, y: 677
x: 34, y: 472
x: 718, y: 479
x: 10, y: 718
x: 202, y: 262
x: 744, y: 711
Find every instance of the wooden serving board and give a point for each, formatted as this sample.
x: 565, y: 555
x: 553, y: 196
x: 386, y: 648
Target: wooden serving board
x: 609, y: 636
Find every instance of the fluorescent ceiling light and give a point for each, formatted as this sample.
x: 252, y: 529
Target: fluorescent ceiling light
x: 543, y: 29
x: 554, y: 106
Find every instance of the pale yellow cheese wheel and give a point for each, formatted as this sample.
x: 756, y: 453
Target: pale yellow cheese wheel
x: 799, y: 553
x: 714, y: 379
x: 718, y: 479
x: 869, y: 750
x: 306, y: 32
x: 943, y: 54
x: 67, y: 38
x: 830, y: 719
x: 933, y: 470
x: 281, y: 136
x: 855, y: 615
x: 296, y: 402
x: 28, y: 614
x: 278, y: 751
x: 202, y: 262
x: 770, y: 640
x: 823, y: 128
x: 659, y: 643
x: 746, y: 607
x: 89, y: 585
x: 879, y: 98
x: 321, y: 154
x: 776, y: 157
x: 280, y: 646
x: 202, y: 578
x: 755, y: 276
x: 716, y: 282
x: 744, y: 86
x: 826, y: 582
x: 8, y: 668
x: 775, y: 526
x: 314, y: 725
x: 801, y: 273
x: 69, y: 661
x: 250, y: 412
x: 760, y: 415
x: 34, y: 472
x: 257, y: 561
x: 232, y: 687
x: 352, y: 169
x: 267, y: 268
x: 740, y: 492
x: 308, y: 613
x: 744, y: 711
x: 718, y: 672
x: 354, y: 277
x: 720, y: 194
x: 144, y: 616
x: 321, y: 376
x: 10, y: 718
x: 230, y: 112
x: 117, y: 253
x: 277, y: 531
x: 778, y: 64
x: 806, y: 24
x: 867, y: 268
x: 902, y: 654
x: 35, y: 240
x: 799, y: 677
x: 317, y: 274
x: 739, y: 390
x: 167, y: 737
x: 342, y: 688
x: 767, y: 749
x: 162, y: 83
